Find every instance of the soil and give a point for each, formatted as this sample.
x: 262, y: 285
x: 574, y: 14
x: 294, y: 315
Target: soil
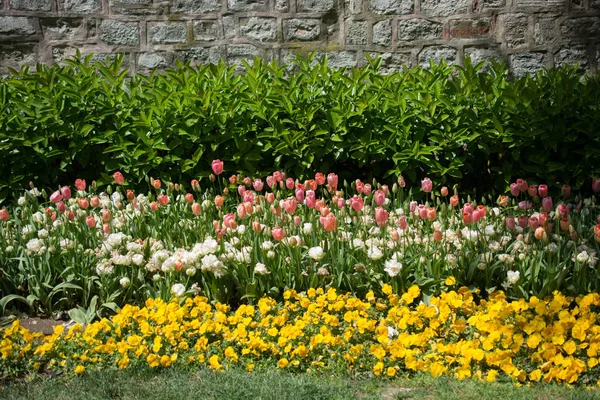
x: 36, y: 324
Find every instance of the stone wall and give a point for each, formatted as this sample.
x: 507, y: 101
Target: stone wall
x: 528, y: 34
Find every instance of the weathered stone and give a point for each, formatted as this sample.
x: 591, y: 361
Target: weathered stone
x: 479, y: 54
x: 544, y: 31
x: 81, y: 6
x: 154, y: 60
x: 391, y: 6
x: 301, y: 29
x: 382, y: 33
x: 262, y: 29
x: 30, y: 5
x: 546, y: 5
x: 206, y: 30
x: 167, y: 32
x: 247, y: 5
x: 282, y: 5
x: 418, y: 29
x: 594, y: 4
x: 356, y: 32
x: 513, y: 30
x: 443, y: 8
x: 580, y: 29
x: 202, y: 55
x: 108, y: 57
x: 15, y: 55
x: 354, y: 6
x: 393, y: 62
x: 117, y: 32
x: 437, y: 54
x: 315, y: 5
x: 128, y: 2
x: 577, y: 55
x: 338, y: 59
x: 63, y: 29
x: 16, y: 26
x: 493, y: 3
x: 195, y: 6
x: 524, y: 63
x: 229, y: 26
x: 469, y: 29
x: 140, y: 10
x: 245, y: 52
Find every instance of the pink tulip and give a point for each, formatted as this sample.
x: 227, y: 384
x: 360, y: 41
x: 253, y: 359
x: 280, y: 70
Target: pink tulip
x: 360, y: 187
x: 106, y: 229
x: 189, y: 198
x: 83, y: 203
x: 90, y: 221
x: 523, y: 221
x: 278, y: 233
x: 444, y: 191
x: 241, y: 211
x: 547, y: 204
x: 481, y: 208
x: 297, y: 220
x: 56, y: 197
x: 566, y: 190
x: 532, y: 190
x: 367, y: 190
x: 467, y: 218
x: 522, y: 185
x: 514, y: 189
x: 270, y: 197
x: 523, y: 205
x: 534, y: 223
x: 543, y: 190
x: 454, y: 201
x: 119, y: 178
x: 401, y: 181
x: 311, y: 199
x: 437, y: 235
x: 332, y: 180
x: 357, y: 203
x: 217, y: 167
x: 229, y: 221
x: 95, y: 201
x: 413, y: 206
x: 258, y: 185
x: 422, y: 211
x: 320, y: 178
x: 329, y: 222
x: 60, y: 206
x: 427, y: 185
x: 431, y: 214
x: 476, y: 216
x: 289, y: 205
x: 248, y: 196
x: 278, y: 176
x: 402, y: 222
x: 196, y: 209
x: 563, y: 210
x: 300, y: 195
x: 379, y: 197
x: 105, y: 213
x: 270, y: 181
x: 289, y: 183
x: 468, y: 208
x: 381, y: 216
x: 4, y: 215
x: 510, y: 223
x: 156, y: 184
x: 80, y: 184
x: 341, y: 203
x: 543, y: 217
x: 386, y: 189
x: 154, y: 206
x: 596, y: 185
x: 163, y: 199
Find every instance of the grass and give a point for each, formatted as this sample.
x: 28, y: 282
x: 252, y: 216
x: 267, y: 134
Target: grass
x: 206, y: 384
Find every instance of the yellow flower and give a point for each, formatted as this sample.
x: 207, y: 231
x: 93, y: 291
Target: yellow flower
x: 535, y: 375
x: 153, y: 360
x: 570, y: 347
x: 378, y: 368
x: 214, y: 363
x: 386, y: 289
x: 80, y: 369
x: 282, y: 363
x: 450, y: 281
x: 391, y: 371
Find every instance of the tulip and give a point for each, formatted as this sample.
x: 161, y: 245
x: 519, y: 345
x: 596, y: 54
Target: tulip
x: 105, y: 214
x: 83, y: 203
x: 80, y: 184
x: 454, y: 201
x: 196, y: 209
x: 437, y: 235
x: 119, y: 178
x: 467, y: 218
x: 297, y: 220
x: 476, y: 216
x: 320, y: 178
x: 289, y: 183
x: 523, y: 221
x: 540, y: 234
x: 219, y: 200
x: 481, y: 208
x: 154, y: 206
x: 332, y: 181
x: 163, y: 199
x: 543, y: 190
x: 270, y: 181
x: 289, y: 205
x: 412, y: 206
x: 278, y: 233
x: 367, y: 189
x: 249, y: 196
x: 379, y: 197
x: 258, y: 185
x: 241, y: 211
x: 402, y: 222
x: 319, y: 204
x: 95, y: 201
x: 311, y: 199
x: 427, y: 185
x: 360, y: 187
x: 60, y: 206
x: 597, y: 230
x: 270, y: 197
x: 395, y: 235
x: 229, y: 221
x: 596, y: 185
x: 217, y: 167
x: 4, y: 215
x: 503, y: 201
x: 278, y: 176
x: 566, y: 190
x: 90, y: 221
x: 256, y: 227
x: 534, y: 223
x: 523, y: 205
x: 356, y: 203
x: 56, y: 197
x: 564, y: 224
x: 468, y: 208
x: 510, y: 223
x: 543, y: 217
x: 514, y: 189
x: 324, y: 211
x: 299, y: 195
x: 563, y: 210
x: 386, y: 189
x: 547, y: 204
x: 422, y: 211
x: 444, y: 191
x: 156, y: 183
x: 341, y: 203
x: 106, y: 229
x: 329, y: 222
x: 532, y: 191
x: 381, y: 216
x: 130, y: 195
x: 522, y: 183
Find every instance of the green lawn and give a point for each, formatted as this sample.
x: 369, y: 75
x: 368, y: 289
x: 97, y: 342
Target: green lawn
x: 205, y: 384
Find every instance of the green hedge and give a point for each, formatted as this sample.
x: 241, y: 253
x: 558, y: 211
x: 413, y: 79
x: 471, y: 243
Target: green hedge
x: 457, y: 125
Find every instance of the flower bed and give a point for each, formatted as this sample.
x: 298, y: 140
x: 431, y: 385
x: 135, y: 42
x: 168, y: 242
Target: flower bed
x: 91, y: 251
x: 553, y: 340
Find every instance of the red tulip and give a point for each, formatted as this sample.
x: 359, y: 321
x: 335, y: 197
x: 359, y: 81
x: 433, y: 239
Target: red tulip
x: 80, y: 184
x: 119, y: 178
x: 90, y: 221
x: 4, y: 215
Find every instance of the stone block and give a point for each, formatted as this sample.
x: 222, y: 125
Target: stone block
x: 576, y: 55
x: 469, y: 29
x: 437, y: 54
x: 594, y: 5
x: 542, y: 5
x: 356, y: 32
x: 338, y: 59
x: 393, y: 62
x: 544, y: 31
x: 400, y: 7
x: 418, y: 29
x: 479, y: 54
x: 30, y: 5
x: 315, y: 5
x: 167, y: 32
x: 229, y: 26
x: 16, y: 54
x: 114, y: 3
x: 206, y: 31
x: 524, y: 63
x: 493, y: 4
x: 262, y: 29
x: 247, y: 5
x: 282, y: 5
x: 63, y: 28
x: 305, y: 29
x: 513, y: 30
x: 382, y: 33
x: 245, y: 52
x: 195, y: 6
x: 10, y: 25
x: 443, y: 8
x: 148, y: 61
x: 580, y: 29
x: 119, y: 33
x: 81, y: 6
x: 201, y: 55
x: 140, y: 10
